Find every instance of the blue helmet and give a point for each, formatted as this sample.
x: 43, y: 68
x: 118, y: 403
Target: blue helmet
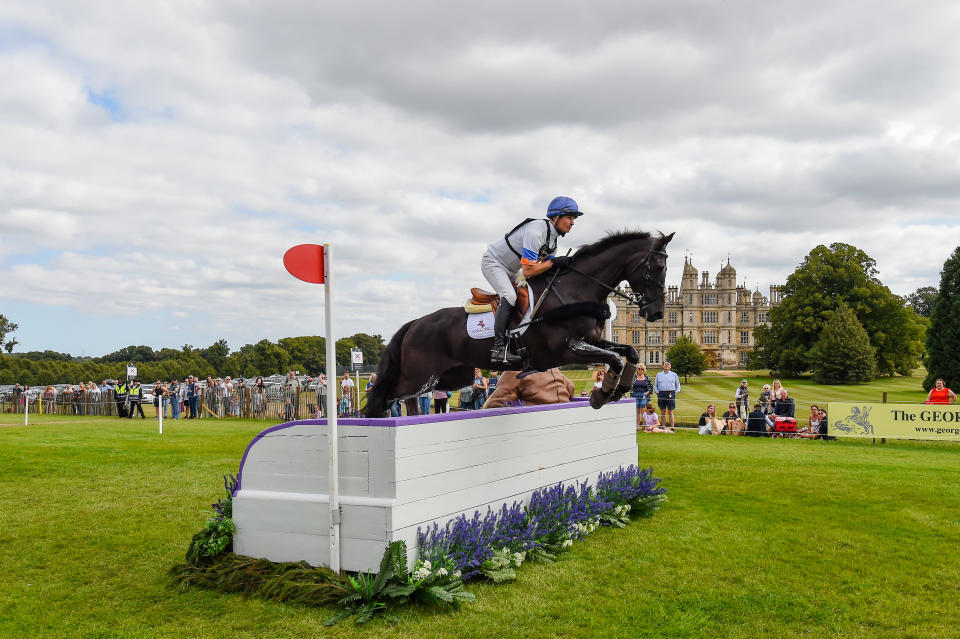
x: 563, y: 205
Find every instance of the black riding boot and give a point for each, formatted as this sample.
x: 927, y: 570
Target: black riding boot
x: 500, y: 355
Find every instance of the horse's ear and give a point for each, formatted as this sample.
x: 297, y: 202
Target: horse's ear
x: 667, y: 238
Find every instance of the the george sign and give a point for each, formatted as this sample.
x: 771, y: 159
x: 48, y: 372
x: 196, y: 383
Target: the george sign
x: 356, y: 356
x: 305, y: 262
x: 894, y: 421
x: 131, y: 371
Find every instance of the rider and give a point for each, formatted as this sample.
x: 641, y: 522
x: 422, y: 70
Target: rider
x: 529, y: 249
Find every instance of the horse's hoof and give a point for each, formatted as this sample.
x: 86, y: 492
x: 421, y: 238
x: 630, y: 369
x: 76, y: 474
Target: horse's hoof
x: 597, y: 399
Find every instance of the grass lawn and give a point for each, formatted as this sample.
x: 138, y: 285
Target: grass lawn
x: 759, y: 538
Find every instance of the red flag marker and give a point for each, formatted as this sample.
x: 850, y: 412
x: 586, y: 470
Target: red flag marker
x: 305, y: 262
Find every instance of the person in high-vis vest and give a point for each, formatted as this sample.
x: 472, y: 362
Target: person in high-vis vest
x: 120, y: 392
x: 529, y: 249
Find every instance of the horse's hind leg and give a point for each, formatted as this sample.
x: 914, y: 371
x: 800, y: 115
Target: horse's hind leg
x: 588, y: 353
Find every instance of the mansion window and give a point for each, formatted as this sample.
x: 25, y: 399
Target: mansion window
x: 729, y: 298
x: 761, y: 317
x: 709, y: 317
x: 729, y: 316
x: 672, y: 337
x: 744, y: 318
x: 635, y: 337
x: 745, y: 337
x: 690, y: 300
x: 616, y: 336
x: 710, y: 298
x: 691, y: 318
x: 672, y: 317
x: 710, y: 337
x: 653, y: 338
x: 654, y: 357
x: 743, y: 359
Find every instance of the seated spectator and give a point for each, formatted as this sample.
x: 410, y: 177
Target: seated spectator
x: 940, y: 394
x: 784, y: 406
x: 812, y: 429
x: 531, y: 387
x: 777, y: 390
x: 757, y: 422
x: 651, y: 423
x: 709, y: 424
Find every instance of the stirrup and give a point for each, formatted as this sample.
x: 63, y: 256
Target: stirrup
x: 499, y: 356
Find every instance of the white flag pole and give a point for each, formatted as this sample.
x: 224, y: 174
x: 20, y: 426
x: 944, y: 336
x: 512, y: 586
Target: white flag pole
x: 333, y: 472
x: 159, y: 407
x: 26, y: 409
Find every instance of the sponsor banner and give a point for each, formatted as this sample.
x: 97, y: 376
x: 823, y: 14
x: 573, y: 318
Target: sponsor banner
x: 894, y: 421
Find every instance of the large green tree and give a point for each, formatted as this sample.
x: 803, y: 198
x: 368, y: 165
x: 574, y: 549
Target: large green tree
x: 7, y: 327
x: 922, y: 299
x: 843, y: 354
x: 943, y: 336
x: 827, y: 277
x: 686, y: 358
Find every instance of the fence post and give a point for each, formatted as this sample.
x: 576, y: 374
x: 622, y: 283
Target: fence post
x: 883, y: 440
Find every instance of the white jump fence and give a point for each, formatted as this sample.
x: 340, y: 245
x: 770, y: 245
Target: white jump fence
x: 400, y: 474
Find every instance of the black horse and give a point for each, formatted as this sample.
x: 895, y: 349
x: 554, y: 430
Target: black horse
x: 435, y: 352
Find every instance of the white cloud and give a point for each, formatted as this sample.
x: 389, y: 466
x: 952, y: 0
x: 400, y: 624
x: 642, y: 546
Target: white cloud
x: 411, y: 135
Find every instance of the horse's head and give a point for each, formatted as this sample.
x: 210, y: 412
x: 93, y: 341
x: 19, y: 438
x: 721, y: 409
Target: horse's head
x: 646, y: 273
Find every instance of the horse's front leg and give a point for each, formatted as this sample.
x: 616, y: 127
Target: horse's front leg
x: 586, y: 353
x: 632, y: 357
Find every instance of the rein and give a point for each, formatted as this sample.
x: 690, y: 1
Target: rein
x: 637, y: 297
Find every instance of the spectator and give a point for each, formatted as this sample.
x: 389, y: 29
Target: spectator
x: 479, y: 389
x: 94, y: 395
x: 346, y: 394
x: 530, y: 387
x: 259, y: 398
x: 291, y: 392
x: 742, y: 397
x: 709, y: 424
x: 641, y: 391
x: 940, y: 394
x: 49, y: 399
x: 492, y: 382
x: 777, y: 390
x: 440, y: 398
x: 466, y: 398
x: 173, y: 392
x: 136, y: 399
x: 321, y: 391
x: 651, y: 423
x: 757, y: 422
x: 812, y: 430
x: 17, y: 396
x: 423, y: 402
x: 395, y: 409
x: 784, y: 406
x: 157, y: 398
x: 766, y: 400
x: 598, y: 379
x: 666, y: 385
x: 227, y: 394
x: 191, y: 395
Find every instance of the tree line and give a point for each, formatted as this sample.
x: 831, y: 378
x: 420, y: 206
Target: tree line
x: 306, y: 354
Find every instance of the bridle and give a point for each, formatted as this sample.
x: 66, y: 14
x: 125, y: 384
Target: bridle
x: 636, y: 297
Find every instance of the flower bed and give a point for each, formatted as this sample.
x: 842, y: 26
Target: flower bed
x: 491, y: 546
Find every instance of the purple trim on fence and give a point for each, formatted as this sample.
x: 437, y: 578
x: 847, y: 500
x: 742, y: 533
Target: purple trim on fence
x: 394, y: 422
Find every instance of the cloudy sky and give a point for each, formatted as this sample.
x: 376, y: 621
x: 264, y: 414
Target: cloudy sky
x: 157, y: 159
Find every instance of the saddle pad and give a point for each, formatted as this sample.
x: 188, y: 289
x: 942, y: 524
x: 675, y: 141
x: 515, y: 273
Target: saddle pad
x: 480, y: 325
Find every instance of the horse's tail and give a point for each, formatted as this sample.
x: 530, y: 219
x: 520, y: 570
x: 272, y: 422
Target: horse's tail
x: 388, y: 374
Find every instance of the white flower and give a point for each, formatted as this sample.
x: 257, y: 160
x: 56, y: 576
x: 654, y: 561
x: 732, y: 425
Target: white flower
x: 626, y: 507
x: 426, y: 564
x: 421, y: 574
x: 442, y: 572
x: 517, y: 559
x: 567, y: 543
x: 457, y: 574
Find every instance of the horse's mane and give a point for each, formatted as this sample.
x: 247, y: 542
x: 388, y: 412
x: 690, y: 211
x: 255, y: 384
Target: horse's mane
x: 610, y: 240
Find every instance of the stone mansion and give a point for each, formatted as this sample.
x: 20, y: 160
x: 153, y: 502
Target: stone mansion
x: 719, y: 317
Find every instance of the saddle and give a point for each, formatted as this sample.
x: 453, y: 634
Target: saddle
x: 482, y: 301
